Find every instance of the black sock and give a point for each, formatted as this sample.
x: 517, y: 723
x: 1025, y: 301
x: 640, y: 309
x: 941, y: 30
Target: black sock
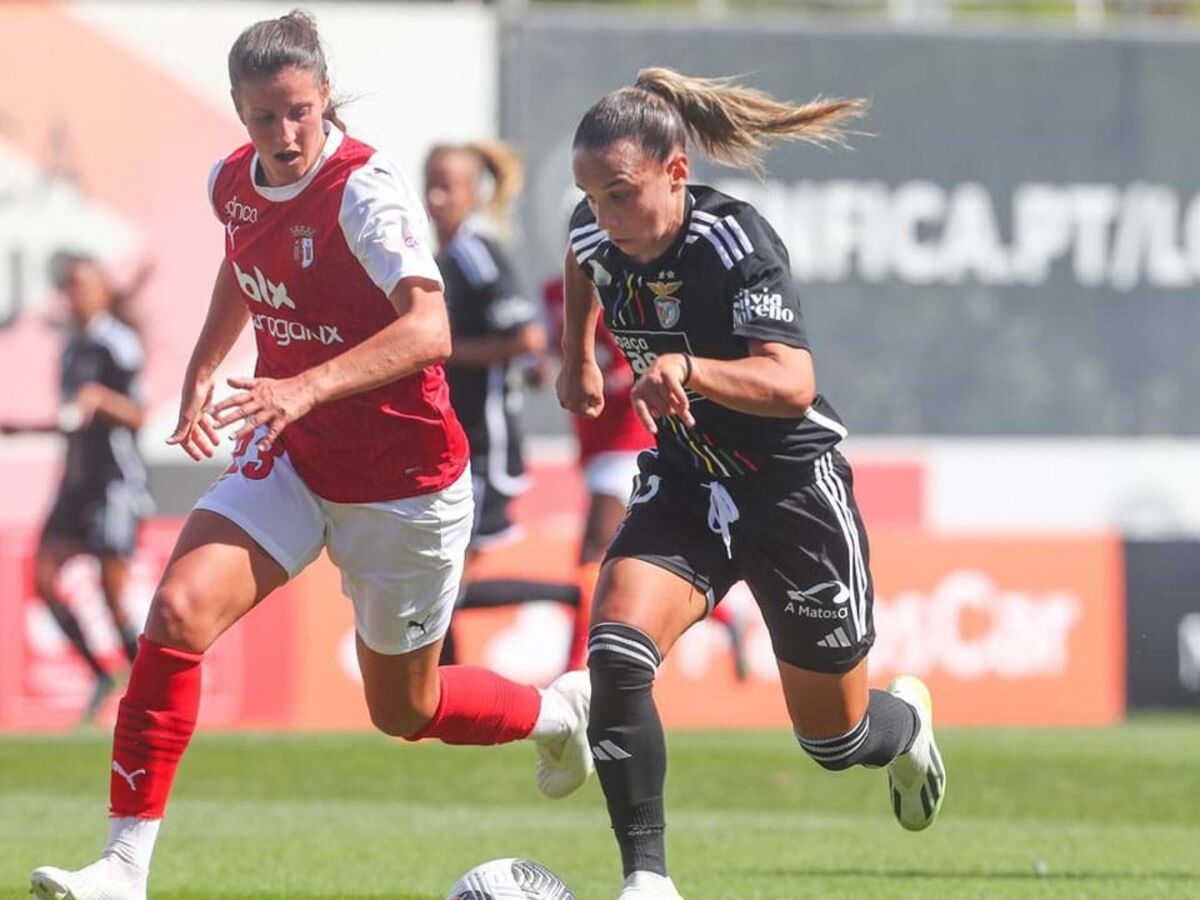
x: 70, y: 627
x: 894, y: 725
x: 449, y: 655
x: 886, y: 731
x: 508, y: 592
x: 628, y: 742
x: 129, y: 640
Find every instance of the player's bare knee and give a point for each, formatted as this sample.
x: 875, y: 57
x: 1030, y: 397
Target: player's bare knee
x: 177, y: 618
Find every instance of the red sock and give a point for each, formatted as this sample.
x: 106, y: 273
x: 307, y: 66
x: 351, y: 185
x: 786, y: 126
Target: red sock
x: 155, y: 721
x: 480, y: 707
x: 577, y: 654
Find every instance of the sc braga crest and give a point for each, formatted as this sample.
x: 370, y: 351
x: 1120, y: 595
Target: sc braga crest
x: 303, y: 250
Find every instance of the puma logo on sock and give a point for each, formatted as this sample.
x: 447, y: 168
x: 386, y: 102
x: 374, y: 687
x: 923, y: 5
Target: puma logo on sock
x: 128, y: 776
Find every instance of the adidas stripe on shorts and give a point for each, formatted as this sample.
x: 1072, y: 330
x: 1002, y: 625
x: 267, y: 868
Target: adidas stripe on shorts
x: 797, y: 541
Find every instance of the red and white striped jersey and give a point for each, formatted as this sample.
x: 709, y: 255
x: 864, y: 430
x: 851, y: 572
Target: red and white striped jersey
x: 316, y: 261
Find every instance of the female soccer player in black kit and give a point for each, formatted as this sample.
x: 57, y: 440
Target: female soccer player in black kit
x: 102, y: 496
x: 746, y: 481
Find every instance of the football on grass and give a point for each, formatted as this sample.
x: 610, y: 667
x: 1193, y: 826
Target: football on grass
x: 510, y: 879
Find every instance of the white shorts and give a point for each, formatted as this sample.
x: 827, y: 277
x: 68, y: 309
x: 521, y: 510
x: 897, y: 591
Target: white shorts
x: 401, y: 560
x: 611, y: 473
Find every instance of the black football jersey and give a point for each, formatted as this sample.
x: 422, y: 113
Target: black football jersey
x: 725, y: 280
x: 106, y: 352
x: 484, y: 297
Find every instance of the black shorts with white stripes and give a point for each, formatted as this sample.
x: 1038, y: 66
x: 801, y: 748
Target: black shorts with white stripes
x: 103, y: 521
x: 797, y: 541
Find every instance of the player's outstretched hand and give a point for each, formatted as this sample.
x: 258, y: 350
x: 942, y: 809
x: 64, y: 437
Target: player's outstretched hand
x: 194, y: 431
x: 273, y: 402
x: 659, y: 392
x: 580, y: 389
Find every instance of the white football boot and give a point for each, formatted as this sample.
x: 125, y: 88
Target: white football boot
x: 649, y: 886
x: 565, y: 760
x: 917, y: 778
x: 106, y: 879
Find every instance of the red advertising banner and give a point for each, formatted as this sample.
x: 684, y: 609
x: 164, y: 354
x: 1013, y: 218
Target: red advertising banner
x: 44, y: 684
x: 1006, y: 631
x: 1012, y: 631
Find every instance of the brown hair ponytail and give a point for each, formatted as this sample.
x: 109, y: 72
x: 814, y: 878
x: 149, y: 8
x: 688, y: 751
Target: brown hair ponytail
x: 291, y: 41
x: 730, y: 123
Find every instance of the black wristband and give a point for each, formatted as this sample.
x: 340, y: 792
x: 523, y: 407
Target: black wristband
x: 687, y: 374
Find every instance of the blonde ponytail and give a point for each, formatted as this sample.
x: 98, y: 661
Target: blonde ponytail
x: 507, y: 171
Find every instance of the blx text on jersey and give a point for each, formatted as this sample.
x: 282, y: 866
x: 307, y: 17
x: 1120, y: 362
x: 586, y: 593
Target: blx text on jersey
x: 260, y: 289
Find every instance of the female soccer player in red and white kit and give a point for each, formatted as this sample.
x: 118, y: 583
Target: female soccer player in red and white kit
x: 347, y: 443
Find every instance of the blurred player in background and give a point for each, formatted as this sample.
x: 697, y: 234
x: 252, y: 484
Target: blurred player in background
x: 746, y: 482
x: 609, y: 445
x: 497, y: 331
x: 102, y: 496
x: 346, y: 442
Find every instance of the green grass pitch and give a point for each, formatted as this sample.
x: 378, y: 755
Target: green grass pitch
x: 1107, y: 813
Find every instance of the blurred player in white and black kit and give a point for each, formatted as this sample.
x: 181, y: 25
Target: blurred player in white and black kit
x: 497, y: 330
x: 345, y: 441
x: 746, y: 482
x: 102, y: 496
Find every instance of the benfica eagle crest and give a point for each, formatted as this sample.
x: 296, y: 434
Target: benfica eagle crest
x: 665, y: 304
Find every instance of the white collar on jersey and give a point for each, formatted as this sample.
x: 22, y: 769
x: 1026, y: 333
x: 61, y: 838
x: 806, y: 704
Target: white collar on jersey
x: 99, y: 323
x: 333, y: 140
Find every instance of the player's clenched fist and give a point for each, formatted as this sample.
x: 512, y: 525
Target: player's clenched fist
x: 580, y: 388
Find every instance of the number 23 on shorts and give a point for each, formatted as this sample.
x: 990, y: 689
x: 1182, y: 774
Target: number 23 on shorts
x: 255, y: 469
